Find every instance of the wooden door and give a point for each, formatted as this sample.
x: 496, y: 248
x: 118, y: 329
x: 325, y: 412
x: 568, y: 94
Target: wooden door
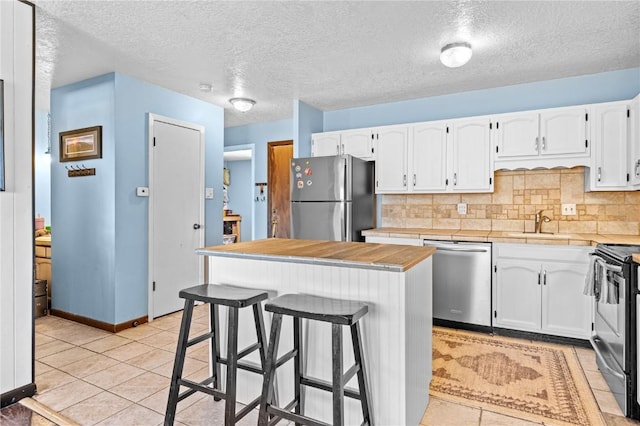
x: 279, y: 156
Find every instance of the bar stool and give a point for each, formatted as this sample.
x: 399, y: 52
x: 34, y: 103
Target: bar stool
x: 338, y: 313
x: 234, y: 298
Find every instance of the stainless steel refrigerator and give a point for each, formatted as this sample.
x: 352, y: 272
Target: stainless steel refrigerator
x: 332, y: 198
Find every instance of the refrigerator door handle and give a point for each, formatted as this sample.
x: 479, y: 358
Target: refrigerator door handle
x: 345, y: 211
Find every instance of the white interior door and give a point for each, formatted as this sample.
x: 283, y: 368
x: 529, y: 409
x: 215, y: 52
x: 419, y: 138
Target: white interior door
x: 176, y: 211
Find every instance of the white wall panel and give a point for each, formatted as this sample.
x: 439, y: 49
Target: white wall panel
x: 16, y: 209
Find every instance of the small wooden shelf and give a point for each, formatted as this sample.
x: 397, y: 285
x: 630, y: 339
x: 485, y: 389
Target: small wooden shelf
x: 235, y: 220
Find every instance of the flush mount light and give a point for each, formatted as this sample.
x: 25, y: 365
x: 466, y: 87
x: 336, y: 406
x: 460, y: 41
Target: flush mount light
x: 455, y: 55
x: 242, y: 104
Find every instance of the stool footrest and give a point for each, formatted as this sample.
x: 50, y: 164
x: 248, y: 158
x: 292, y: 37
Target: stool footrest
x: 327, y: 386
x: 199, y: 339
x: 244, y: 365
x: 248, y: 350
x: 297, y: 418
x: 350, y: 373
x: 286, y: 357
x: 198, y: 387
x: 247, y: 408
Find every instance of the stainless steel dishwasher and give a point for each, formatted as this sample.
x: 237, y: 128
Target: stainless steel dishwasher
x: 462, y: 282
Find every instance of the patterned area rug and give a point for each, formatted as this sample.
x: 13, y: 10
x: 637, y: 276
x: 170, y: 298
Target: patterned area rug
x: 542, y: 382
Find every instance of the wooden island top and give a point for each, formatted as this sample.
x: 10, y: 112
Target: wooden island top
x: 334, y: 253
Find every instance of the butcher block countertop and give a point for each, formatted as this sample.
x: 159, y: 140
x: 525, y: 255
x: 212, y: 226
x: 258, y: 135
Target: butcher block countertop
x: 502, y: 236
x: 636, y: 257
x: 396, y: 258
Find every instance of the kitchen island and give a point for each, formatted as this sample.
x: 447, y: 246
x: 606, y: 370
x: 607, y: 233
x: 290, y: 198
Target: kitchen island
x: 396, y: 283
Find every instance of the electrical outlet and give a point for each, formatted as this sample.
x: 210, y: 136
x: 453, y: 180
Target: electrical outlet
x: 569, y: 210
x: 208, y: 193
x: 462, y: 208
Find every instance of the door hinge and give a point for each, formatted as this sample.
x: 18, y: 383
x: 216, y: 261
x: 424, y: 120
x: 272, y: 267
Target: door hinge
x: 376, y: 183
x: 586, y: 116
x: 497, y: 125
x: 372, y: 136
x: 490, y: 181
x: 592, y: 327
x: 495, y: 314
x: 497, y: 149
x: 154, y: 141
x: 490, y: 126
x: 495, y: 268
x: 586, y: 143
x: 628, y: 113
x: 377, y: 136
x: 154, y: 286
x: 372, y: 150
x: 446, y: 182
x: 628, y: 177
x: 447, y: 129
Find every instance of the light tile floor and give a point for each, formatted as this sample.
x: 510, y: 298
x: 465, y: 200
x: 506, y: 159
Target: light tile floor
x: 100, y: 378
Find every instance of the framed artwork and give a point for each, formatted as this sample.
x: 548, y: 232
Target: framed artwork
x: 81, y: 144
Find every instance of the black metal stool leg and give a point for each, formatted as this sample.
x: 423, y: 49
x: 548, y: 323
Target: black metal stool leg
x: 297, y: 366
x: 214, y: 348
x: 178, y: 364
x: 270, y: 369
x: 363, y: 382
x: 338, y: 386
x: 232, y: 368
x: 262, y: 341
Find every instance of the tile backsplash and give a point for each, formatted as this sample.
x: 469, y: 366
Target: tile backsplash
x: 517, y: 196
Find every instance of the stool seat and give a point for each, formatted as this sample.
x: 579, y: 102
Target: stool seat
x: 335, y: 311
x: 226, y: 295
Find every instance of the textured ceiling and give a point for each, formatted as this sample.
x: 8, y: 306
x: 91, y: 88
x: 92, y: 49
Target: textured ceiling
x: 331, y: 55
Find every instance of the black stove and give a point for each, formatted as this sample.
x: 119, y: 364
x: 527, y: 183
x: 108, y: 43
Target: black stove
x: 620, y: 252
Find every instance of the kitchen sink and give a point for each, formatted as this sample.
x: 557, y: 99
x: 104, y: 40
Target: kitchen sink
x: 539, y: 235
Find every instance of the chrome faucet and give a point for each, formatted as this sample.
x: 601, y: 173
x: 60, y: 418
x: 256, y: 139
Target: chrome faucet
x: 539, y: 220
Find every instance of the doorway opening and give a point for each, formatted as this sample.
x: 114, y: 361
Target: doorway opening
x: 279, y: 156
x: 239, y: 164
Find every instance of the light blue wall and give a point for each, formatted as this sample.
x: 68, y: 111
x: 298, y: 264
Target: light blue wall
x: 593, y: 88
x: 306, y: 120
x: 42, y: 185
x: 83, y: 208
x: 259, y: 135
x: 99, y: 226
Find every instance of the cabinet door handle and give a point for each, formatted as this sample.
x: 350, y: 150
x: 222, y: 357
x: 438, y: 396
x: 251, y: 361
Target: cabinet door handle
x: 338, y: 149
x: 599, y: 174
x: 455, y: 179
x: 538, y: 278
x: 537, y: 143
x: 414, y: 179
x: 544, y: 143
x: 544, y: 277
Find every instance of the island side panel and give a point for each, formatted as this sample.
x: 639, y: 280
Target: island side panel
x: 384, y: 330
x: 419, y: 319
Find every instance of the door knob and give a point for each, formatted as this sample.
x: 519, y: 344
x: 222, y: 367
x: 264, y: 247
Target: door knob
x: 196, y: 226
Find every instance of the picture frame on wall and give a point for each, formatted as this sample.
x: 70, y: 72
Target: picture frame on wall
x: 81, y: 144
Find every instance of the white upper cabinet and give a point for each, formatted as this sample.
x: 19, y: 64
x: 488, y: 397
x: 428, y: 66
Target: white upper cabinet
x: 428, y: 157
x: 517, y: 135
x: 324, y: 144
x: 557, y: 137
x: 391, y: 163
x: 610, y: 162
x: 359, y: 143
x: 471, y: 161
x: 634, y: 143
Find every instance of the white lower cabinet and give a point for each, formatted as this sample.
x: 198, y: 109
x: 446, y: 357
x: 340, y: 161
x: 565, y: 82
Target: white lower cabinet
x: 539, y: 289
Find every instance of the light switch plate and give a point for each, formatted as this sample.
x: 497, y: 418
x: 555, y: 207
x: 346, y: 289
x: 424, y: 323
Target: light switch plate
x: 569, y: 210
x: 208, y: 193
x: 142, y: 191
x: 462, y: 208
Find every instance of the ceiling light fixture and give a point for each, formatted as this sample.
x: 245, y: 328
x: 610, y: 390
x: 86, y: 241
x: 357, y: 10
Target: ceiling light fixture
x: 455, y: 55
x: 242, y: 104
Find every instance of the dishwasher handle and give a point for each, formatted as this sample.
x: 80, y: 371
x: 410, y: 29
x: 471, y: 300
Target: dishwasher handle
x: 463, y: 250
